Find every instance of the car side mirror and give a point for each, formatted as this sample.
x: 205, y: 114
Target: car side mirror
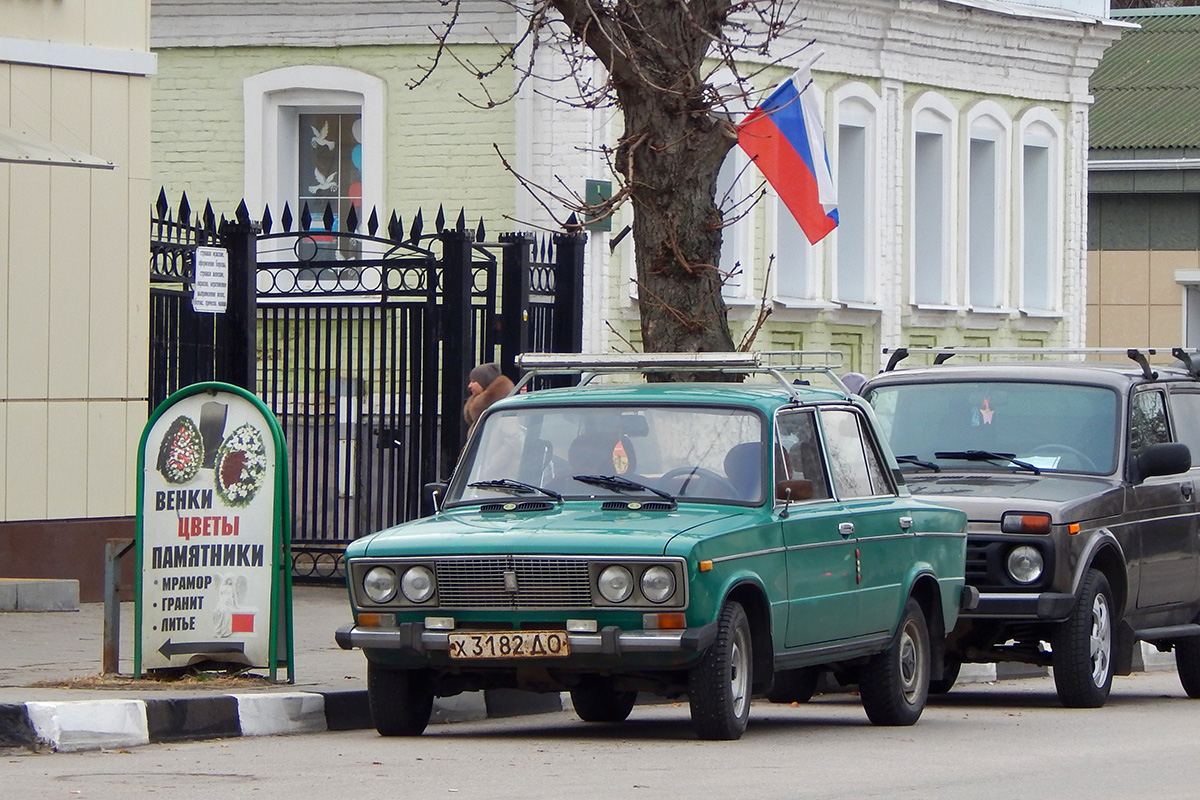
x: 431, y: 498
x: 1165, y: 458
x: 793, y: 490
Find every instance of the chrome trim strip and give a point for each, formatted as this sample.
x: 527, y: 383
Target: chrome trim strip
x: 767, y: 552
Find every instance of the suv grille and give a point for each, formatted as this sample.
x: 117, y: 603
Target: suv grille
x: 540, y: 582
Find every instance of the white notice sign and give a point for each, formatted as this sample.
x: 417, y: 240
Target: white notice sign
x: 210, y: 291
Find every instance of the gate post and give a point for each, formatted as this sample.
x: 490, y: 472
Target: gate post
x: 514, y: 300
x: 567, y: 336
x: 458, y: 345
x: 239, y: 324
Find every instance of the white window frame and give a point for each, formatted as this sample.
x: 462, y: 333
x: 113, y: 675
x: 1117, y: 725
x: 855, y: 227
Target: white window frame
x: 1039, y: 127
x: 932, y: 114
x: 801, y: 258
x: 737, y: 239
x: 272, y: 101
x: 987, y: 122
x: 857, y: 105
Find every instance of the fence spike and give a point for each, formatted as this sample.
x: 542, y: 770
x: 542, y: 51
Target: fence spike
x: 352, y: 220
x: 243, y: 214
x: 395, y: 228
x: 372, y: 223
x: 287, y: 220
x: 210, y: 218
x: 162, y: 207
x: 328, y: 217
x: 461, y: 225
x: 305, y: 218
x: 418, y: 226
x: 479, y: 232
x: 266, y: 219
x: 185, y: 210
x: 439, y: 222
x: 572, y: 223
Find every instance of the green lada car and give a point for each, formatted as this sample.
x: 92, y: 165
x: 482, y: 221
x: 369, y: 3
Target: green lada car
x: 715, y: 540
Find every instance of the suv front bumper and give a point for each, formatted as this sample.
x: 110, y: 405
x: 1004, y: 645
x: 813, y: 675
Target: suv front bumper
x: 1045, y: 606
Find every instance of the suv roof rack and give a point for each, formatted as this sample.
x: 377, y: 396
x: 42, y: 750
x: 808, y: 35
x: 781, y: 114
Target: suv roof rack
x: 771, y: 362
x: 1137, y: 354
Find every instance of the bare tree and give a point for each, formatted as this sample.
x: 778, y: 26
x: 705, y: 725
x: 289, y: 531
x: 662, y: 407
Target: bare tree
x: 659, y: 57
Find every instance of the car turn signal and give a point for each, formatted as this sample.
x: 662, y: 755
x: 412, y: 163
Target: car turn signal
x: 1020, y: 522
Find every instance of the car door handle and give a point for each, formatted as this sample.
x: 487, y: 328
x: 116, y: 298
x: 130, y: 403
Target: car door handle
x: 846, y: 529
x: 905, y: 523
x: 1186, y: 490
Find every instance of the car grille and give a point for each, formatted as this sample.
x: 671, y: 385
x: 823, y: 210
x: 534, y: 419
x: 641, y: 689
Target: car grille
x: 540, y: 582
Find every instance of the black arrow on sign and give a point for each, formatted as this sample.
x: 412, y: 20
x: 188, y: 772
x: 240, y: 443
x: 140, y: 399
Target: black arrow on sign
x: 169, y: 649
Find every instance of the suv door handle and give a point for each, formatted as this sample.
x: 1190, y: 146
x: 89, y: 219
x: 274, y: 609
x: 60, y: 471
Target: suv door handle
x: 846, y: 529
x: 1186, y: 490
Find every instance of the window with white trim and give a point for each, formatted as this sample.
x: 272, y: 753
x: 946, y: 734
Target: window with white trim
x: 987, y: 206
x: 857, y: 109
x: 930, y: 202
x: 732, y: 197
x: 793, y: 266
x: 1040, y: 218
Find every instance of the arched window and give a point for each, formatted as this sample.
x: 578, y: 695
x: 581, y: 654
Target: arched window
x: 855, y: 155
x: 735, y: 185
x: 986, y: 245
x: 1040, y: 222
x: 931, y: 197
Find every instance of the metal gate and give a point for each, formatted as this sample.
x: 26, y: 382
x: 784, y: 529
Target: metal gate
x: 360, y: 341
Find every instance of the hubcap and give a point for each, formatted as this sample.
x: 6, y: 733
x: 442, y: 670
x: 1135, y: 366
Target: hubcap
x: 911, y: 664
x: 739, y: 673
x: 1100, y: 643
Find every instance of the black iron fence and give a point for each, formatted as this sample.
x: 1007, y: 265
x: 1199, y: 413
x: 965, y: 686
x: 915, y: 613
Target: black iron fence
x: 360, y: 341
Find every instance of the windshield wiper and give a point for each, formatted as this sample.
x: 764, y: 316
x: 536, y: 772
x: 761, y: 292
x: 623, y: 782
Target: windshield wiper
x: 929, y: 465
x: 987, y: 455
x: 622, y: 484
x: 518, y: 487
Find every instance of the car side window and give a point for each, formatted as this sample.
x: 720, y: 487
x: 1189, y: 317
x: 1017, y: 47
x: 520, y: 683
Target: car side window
x: 1185, y: 418
x: 853, y: 460
x: 798, y: 449
x: 1147, y: 421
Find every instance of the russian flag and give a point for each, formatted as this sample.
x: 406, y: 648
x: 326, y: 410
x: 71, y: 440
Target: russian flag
x: 785, y: 138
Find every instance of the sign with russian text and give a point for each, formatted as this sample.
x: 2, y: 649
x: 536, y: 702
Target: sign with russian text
x: 214, y: 573
x: 210, y: 288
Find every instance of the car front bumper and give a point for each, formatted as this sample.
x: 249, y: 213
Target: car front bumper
x: 414, y: 638
x: 1042, y: 606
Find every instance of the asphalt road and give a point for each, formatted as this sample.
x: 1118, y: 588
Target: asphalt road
x: 1005, y: 740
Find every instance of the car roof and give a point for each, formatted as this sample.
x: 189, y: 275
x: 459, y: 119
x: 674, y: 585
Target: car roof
x: 1115, y: 375
x: 766, y: 397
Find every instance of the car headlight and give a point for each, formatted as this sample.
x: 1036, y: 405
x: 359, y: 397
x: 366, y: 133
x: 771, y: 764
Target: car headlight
x: 1025, y: 564
x: 615, y: 584
x: 380, y: 584
x: 417, y: 584
x: 658, y: 584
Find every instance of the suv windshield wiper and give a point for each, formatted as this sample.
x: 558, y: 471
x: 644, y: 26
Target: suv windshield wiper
x: 622, y: 484
x: 919, y: 462
x: 987, y: 455
x: 518, y: 487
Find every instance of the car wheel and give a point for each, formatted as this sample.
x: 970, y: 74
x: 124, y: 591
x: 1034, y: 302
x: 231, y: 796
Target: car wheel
x: 949, y: 676
x: 1187, y: 664
x: 596, y: 700
x: 1083, y: 647
x: 794, y: 685
x: 719, y: 685
x: 894, y: 684
x: 401, y: 700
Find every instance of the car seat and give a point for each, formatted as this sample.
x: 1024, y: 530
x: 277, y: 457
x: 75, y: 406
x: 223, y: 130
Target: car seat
x: 743, y: 468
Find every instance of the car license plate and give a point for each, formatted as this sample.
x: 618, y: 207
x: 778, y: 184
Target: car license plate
x: 510, y: 644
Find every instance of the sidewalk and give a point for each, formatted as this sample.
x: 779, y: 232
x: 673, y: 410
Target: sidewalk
x: 52, y: 696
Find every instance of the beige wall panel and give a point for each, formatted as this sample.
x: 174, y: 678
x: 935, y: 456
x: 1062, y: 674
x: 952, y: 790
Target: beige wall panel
x: 50, y: 20
x: 25, y: 461
x: 138, y: 161
x: 1093, y: 276
x: 1166, y: 326
x: 1124, y: 326
x: 1123, y: 277
x: 112, y: 262
x: 119, y: 24
x: 67, y: 460
x: 112, y: 461
x: 3, y: 461
x: 135, y: 420
x: 1093, y: 326
x: 138, y: 367
x: 27, y: 350
x: 1163, y: 263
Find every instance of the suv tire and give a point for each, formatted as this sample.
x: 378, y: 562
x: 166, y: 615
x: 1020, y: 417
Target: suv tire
x: 794, y: 685
x: 596, y: 700
x: 1083, y: 646
x: 950, y: 672
x: 719, y: 685
x: 1187, y: 663
x: 401, y: 700
x: 894, y: 684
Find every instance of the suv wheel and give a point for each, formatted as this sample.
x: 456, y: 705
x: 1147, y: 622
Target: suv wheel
x: 895, y: 683
x: 794, y: 685
x: 719, y: 685
x: 1083, y: 647
x: 950, y: 672
x: 401, y: 700
x: 1187, y: 664
x: 596, y: 700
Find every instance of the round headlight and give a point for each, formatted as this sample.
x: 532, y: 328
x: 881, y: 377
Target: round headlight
x: 1025, y: 564
x: 658, y: 584
x: 615, y: 584
x: 417, y: 584
x: 380, y: 584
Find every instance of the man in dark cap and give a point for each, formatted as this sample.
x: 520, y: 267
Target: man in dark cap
x: 487, y: 385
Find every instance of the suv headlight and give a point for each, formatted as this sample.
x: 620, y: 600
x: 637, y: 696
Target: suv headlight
x: 380, y: 584
x: 615, y: 584
x: 658, y: 584
x: 417, y: 584
x: 1025, y: 564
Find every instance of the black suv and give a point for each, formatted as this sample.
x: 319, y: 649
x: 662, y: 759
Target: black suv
x: 1079, y: 480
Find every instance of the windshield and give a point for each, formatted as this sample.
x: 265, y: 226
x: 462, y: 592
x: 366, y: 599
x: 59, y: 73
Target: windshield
x: 1002, y: 426
x: 659, y: 453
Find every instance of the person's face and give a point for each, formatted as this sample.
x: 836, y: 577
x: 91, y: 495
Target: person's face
x: 474, y: 388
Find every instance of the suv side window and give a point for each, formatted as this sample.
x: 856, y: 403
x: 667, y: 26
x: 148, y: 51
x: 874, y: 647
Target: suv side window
x: 1185, y: 417
x: 853, y: 460
x: 1147, y: 421
x: 799, y: 449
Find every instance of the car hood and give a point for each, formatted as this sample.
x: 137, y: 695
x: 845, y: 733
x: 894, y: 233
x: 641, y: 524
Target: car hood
x: 985, y: 496
x: 570, y: 529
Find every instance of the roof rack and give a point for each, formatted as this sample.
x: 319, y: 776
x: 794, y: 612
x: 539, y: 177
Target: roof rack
x: 1137, y: 354
x: 589, y: 365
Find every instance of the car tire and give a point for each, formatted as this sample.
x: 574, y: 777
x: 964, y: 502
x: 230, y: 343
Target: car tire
x: 1083, y: 646
x: 719, y: 685
x: 949, y: 675
x: 1187, y: 664
x: 596, y: 700
x: 795, y: 685
x: 894, y: 684
x: 401, y: 700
